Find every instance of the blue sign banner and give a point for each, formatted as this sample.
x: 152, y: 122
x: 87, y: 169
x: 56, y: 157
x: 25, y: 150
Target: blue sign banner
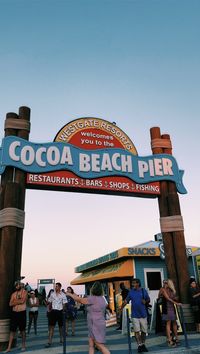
x: 40, y: 158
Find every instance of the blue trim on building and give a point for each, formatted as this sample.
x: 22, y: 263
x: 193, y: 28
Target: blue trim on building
x: 155, y: 262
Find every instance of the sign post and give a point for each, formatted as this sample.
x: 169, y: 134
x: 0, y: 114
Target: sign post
x: 171, y: 223
x: 12, y: 216
x: 45, y: 282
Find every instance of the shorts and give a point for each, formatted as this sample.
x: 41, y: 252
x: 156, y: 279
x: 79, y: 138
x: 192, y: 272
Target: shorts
x: 18, y: 320
x: 56, y: 316
x: 140, y: 325
x: 33, y: 314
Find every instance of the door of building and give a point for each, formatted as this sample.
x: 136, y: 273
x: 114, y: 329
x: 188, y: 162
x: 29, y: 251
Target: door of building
x: 153, y: 278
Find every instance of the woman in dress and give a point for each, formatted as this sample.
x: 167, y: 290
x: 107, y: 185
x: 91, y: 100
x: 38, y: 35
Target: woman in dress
x: 33, y: 302
x: 169, y: 299
x: 96, y: 306
x: 48, y: 305
x: 194, y: 292
x: 71, y: 311
x: 160, y: 324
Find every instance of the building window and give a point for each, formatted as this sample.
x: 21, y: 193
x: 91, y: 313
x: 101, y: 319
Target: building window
x: 154, y: 281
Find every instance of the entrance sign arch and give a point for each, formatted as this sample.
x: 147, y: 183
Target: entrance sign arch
x: 96, y: 135
x: 87, y: 155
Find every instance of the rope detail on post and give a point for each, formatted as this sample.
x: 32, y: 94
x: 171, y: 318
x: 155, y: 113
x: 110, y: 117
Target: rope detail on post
x: 15, y: 123
x: 12, y: 217
x: 161, y: 143
x: 4, y: 330
x: 171, y: 223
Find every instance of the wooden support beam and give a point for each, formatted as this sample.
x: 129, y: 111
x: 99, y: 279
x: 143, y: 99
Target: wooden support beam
x: 174, y: 241
x: 164, y: 211
x: 20, y: 178
x: 7, y: 250
x: 12, y: 195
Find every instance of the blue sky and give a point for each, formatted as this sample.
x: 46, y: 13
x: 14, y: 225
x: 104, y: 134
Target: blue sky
x: 132, y: 62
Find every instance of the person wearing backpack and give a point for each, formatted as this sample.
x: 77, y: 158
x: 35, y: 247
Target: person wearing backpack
x: 139, y: 299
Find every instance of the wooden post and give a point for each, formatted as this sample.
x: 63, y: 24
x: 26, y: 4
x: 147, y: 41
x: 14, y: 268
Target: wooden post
x: 12, y: 200
x: 179, y: 246
x: 8, y: 198
x: 10, y: 194
x: 7, y: 250
x: 164, y: 211
x: 170, y: 207
x: 20, y: 178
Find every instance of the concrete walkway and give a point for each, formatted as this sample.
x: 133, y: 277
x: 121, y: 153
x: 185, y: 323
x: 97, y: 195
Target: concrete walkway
x: 116, y: 342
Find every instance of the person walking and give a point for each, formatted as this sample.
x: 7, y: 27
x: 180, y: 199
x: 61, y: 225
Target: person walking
x: 70, y: 312
x: 194, y: 292
x: 124, y: 293
x: 96, y: 306
x: 18, y: 315
x: 169, y: 299
x: 57, y: 300
x: 33, y: 302
x: 139, y: 299
x: 49, y: 307
x: 160, y: 324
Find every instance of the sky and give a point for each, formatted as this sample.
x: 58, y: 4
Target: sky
x: 135, y: 62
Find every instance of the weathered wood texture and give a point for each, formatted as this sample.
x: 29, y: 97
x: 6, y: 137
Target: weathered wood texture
x: 12, y: 194
x: 174, y: 242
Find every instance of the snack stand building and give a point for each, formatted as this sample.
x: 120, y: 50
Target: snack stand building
x: 145, y: 261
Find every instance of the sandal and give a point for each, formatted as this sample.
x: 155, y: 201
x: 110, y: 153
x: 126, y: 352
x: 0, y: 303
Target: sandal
x: 171, y: 344
x: 47, y: 345
x: 176, y: 341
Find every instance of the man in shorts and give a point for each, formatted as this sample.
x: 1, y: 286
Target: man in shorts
x: 58, y: 300
x: 18, y: 315
x: 139, y: 298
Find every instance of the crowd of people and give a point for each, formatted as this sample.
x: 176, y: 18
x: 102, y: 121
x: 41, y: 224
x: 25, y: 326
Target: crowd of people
x: 58, y: 302
x: 61, y: 305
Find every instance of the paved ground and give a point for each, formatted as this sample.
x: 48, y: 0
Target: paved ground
x: 116, y: 342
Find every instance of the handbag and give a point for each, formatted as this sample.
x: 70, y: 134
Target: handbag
x: 112, y: 320
x: 107, y: 316
x: 147, y: 304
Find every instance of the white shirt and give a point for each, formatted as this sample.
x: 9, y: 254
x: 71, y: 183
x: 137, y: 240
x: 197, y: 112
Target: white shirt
x: 57, y: 300
x: 33, y: 302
